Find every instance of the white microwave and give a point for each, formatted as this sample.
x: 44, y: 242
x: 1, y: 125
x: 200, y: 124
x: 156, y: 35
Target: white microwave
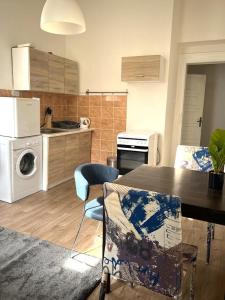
x: 19, y: 117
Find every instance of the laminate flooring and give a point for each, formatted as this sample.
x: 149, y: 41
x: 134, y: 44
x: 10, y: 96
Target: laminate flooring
x: 55, y: 216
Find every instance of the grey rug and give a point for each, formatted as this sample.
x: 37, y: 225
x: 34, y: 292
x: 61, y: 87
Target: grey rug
x: 34, y: 269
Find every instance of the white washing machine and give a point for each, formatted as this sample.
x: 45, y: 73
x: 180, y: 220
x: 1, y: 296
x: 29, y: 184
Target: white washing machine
x: 20, y: 167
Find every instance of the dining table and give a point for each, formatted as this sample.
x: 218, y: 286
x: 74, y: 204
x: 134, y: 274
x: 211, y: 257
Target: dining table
x: 197, y: 200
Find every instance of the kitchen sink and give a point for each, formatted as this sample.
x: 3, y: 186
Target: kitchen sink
x: 52, y: 130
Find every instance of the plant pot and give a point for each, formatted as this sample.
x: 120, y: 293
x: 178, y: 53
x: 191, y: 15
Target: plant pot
x: 216, y: 180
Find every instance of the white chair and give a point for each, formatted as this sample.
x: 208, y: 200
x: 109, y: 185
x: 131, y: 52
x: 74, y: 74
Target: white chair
x: 143, y: 241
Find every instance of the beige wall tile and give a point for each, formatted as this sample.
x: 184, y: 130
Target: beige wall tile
x: 63, y: 106
x: 95, y: 111
x: 71, y: 110
x: 5, y: 93
x: 119, y: 124
x: 107, y: 123
x: 95, y: 155
x: 120, y: 113
x: 72, y: 100
x: 107, y: 135
x: 107, y: 101
x: 95, y: 123
x: 115, y: 149
x: 107, y: 112
x: 106, y: 146
x: 104, y: 155
x: 58, y: 112
x: 96, y: 144
x: 97, y: 133
x: 95, y: 100
x: 83, y: 100
x: 83, y: 111
x: 120, y: 101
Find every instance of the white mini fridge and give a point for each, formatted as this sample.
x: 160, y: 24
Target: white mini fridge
x: 19, y: 117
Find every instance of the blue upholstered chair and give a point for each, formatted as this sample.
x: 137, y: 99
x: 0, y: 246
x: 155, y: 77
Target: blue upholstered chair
x: 196, y: 158
x: 143, y: 241
x: 85, y: 176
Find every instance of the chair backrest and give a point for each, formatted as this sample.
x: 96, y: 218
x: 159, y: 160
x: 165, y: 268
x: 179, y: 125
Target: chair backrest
x: 193, y: 158
x: 86, y: 175
x: 143, y: 238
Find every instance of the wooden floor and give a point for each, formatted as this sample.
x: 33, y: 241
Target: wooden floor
x: 55, y: 215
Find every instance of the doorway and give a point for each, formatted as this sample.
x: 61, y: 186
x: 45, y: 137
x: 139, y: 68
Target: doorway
x: 199, y: 53
x: 204, y: 103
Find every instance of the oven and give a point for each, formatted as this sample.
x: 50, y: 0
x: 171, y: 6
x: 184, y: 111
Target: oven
x: 134, y: 150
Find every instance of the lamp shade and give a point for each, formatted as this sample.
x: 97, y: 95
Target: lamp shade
x: 62, y: 17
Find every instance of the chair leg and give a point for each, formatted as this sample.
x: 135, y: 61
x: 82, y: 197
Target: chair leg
x: 213, y: 231
x: 76, y: 237
x: 209, y: 239
x: 108, y: 284
x: 79, y: 228
x: 105, y: 285
x: 102, y: 293
x: 192, y: 281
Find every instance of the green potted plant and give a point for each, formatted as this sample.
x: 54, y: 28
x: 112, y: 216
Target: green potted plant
x: 217, y: 152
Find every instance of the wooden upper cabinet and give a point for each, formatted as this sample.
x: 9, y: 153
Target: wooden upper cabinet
x: 56, y: 73
x: 36, y: 70
x: 71, y: 77
x: 30, y: 69
x: 142, y: 68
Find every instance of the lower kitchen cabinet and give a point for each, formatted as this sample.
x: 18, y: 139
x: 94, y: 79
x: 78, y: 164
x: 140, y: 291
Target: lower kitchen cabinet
x: 62, y: 154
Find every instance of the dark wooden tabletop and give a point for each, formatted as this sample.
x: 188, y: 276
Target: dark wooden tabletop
x: 198, y: 202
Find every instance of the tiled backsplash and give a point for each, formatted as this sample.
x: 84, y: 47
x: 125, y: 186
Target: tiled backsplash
x: 60, y: 104
x: 107, y: 115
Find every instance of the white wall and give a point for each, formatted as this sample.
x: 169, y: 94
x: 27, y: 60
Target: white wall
x: 115, y: 29
x: 19, y: 23
x: 202, y: 35
x: 172, y: 82
x: 203, y: 20
x: 125, y: 28
x: 214, y: 104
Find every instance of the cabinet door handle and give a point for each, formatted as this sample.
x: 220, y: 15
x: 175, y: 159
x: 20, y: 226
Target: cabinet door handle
x: 140, y: 75
x: 199, y: 121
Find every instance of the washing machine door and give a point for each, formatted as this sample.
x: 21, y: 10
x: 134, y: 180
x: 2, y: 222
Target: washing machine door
x: 26, y: 164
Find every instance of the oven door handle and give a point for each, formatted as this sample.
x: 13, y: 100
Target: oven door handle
x: 133, y: 149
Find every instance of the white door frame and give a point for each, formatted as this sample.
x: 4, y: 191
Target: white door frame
x: 184, y: 60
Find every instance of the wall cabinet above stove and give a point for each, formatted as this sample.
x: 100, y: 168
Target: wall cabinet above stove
x: 142, y: 68
x: 36, y: 70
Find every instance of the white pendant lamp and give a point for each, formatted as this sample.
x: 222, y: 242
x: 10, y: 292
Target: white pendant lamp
x: 62, y: 17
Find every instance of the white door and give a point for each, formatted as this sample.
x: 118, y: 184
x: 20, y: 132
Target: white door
x: 193, y: 109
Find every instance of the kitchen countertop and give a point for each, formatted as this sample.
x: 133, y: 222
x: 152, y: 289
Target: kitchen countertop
x: 66, y: 132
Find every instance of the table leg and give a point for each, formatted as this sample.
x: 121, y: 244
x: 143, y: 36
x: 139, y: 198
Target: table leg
x: 209, y: 238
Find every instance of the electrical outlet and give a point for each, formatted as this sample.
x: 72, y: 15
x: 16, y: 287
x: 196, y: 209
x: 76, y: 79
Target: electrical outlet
x: 15, y: 93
